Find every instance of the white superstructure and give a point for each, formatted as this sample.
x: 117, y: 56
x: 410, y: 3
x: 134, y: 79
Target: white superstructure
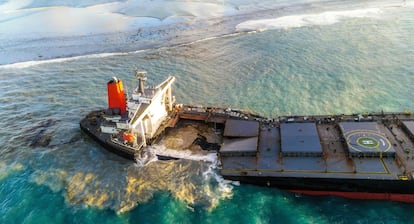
x: 146, y: 110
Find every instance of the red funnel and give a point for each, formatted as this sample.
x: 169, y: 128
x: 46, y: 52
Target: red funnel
x: 116, y: 95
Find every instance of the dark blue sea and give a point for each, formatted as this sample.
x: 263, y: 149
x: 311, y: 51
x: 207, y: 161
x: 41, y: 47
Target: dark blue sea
x: 271, y: 57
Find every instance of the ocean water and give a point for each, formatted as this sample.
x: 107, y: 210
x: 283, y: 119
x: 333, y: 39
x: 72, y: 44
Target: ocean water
x: 274, y: 58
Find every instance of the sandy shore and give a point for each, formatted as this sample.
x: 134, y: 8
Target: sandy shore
x: 30, y: 32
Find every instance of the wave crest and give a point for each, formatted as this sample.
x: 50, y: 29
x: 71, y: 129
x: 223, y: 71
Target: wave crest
x: 296, y: 21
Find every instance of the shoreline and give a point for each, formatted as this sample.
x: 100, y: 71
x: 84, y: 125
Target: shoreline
x: 30, y: 50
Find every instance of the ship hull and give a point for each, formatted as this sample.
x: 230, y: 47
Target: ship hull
x: 354, y: 186
x: 395, y: 190
x: 360, y: 156
x: 408, y: 198
x: 90, y: 125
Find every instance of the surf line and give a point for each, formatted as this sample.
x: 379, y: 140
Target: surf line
x: 26, y: 64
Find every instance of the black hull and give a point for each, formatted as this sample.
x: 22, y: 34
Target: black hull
x: 373, y: 183
x: 397, y: 190
x: 330, y: 184
x: 91, y: 125
x: 104, y: 141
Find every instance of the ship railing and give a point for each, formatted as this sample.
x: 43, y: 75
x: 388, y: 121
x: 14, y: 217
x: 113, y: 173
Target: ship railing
x: 135, y: 147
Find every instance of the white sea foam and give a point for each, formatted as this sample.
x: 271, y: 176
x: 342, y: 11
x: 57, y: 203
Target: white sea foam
x: 211, y: 172
x: 69, y: 22
x: 27, y: 64
x: 145, y: 157
x: 295, y: 21
x: 183, y: 154
x: 211, y: 187
x: 223, y: 183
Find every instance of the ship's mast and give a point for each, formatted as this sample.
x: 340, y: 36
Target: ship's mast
x: 142, y: 77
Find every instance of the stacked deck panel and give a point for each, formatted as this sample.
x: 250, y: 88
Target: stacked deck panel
x: 320, y: 148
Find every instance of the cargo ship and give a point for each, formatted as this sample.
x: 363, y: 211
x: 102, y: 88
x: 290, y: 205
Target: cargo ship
x: 359, y: 156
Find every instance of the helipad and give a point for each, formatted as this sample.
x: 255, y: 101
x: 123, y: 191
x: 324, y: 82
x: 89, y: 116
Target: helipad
x: 365, y: 139
x: 368, y: 142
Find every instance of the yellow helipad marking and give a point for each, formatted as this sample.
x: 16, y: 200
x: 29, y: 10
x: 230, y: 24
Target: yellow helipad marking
x: 368, y: 134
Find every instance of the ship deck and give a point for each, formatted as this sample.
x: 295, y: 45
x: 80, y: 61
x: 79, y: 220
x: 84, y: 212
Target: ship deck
x: 380, y: 147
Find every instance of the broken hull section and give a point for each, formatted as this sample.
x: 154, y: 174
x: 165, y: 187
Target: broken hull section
x: 369, y: 156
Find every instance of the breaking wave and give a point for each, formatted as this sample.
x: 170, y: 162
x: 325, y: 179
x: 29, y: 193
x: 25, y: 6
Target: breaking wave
x: 183, y: 154
x: 26, y: 64
x: 296, y: 21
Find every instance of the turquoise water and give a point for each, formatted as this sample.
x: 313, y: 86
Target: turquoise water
x: 51, y: 173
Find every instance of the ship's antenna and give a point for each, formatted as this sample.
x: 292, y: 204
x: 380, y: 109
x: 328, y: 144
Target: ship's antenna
x: 142, y: 77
